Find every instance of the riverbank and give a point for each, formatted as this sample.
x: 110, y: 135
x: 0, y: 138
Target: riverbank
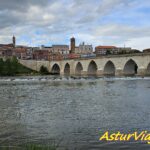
x: 11, y: 67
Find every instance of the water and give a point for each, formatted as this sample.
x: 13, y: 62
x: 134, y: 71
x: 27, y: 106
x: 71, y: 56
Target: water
x: 73, y: 113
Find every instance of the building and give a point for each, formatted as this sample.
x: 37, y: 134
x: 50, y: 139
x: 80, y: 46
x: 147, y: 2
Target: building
x: 14, y: 40
x: 49, y: 48
x: 6, y: 45
x: 6, y: 50
x: 77, y: 51
x: 29, y: 53
x: 123, y: 50
x: 104, y: 50
x: 54, y: 52
x: 84, y: 49
x: 20, y: 52
x: 61, y: 49
x: 55, y: 56
x: 146, y: 50
x: 81, y: 49
x: 40, y: 54
x: 72, y: 45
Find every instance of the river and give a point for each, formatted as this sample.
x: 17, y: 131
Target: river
x: 73, y: 113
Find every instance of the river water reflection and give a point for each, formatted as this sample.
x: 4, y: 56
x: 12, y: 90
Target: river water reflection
x: 73, y: 112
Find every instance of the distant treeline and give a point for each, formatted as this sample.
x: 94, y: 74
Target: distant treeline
x: 11, y: 67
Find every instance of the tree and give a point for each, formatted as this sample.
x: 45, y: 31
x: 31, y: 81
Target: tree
x: 12, y: 67
x: 8, y: 69
x: 15, y: 65
x: 43, y: 70
x: 1, y: 66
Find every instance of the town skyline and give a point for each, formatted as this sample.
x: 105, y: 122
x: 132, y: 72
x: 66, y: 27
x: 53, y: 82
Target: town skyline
x: 78, y: 43
x: 101, y: 22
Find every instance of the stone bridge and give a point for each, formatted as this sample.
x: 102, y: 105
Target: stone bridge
x: 114, y: 65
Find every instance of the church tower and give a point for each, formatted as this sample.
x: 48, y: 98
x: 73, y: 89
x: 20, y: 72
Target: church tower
x: 72, y: 45
x: 14, y: 40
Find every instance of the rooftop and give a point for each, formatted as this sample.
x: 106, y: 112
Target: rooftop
x: 105, y: 47
x: 60, y: 45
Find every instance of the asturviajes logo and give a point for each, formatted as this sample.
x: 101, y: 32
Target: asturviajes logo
x: 118, y: 136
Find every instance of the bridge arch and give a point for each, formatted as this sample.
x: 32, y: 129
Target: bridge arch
x: 109, y: 68
x: 130, y: 68
x: 92, y: 68
x: 55, y: 69
x: 67, y: 69
x: 78, y: 69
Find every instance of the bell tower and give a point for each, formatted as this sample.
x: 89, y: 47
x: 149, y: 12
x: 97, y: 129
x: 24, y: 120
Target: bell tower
x: 72, y: 45
x: 14, y: 40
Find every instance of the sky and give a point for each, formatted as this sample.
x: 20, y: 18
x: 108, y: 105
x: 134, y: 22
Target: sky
x: 96, y: 22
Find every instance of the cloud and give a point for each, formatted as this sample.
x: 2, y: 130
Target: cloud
x: 119, y: 34
x: 116, y: 30
x: 38, y: 22
x: 22, y: 5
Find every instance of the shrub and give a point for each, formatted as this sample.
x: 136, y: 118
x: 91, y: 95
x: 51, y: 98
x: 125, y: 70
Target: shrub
x: 43, y: 70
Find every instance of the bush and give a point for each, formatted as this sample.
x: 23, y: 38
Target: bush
x: 1, y: 65
x: 43, y: 71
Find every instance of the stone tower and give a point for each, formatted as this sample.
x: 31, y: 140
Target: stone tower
x: 14, y: 40
x: 72, y: 45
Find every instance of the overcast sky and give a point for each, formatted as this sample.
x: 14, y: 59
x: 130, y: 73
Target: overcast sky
x: 97, y: 22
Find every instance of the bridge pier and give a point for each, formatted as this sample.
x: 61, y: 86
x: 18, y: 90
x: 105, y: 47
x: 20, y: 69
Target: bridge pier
x: 100, y: 72
x: 141, y: 72
x: 62, y: 72
x: 84, y: 72
x: 72, y: 71
x: 119, y: 72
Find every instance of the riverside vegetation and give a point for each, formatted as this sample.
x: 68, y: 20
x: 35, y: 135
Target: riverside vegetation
x: 11, y: 67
